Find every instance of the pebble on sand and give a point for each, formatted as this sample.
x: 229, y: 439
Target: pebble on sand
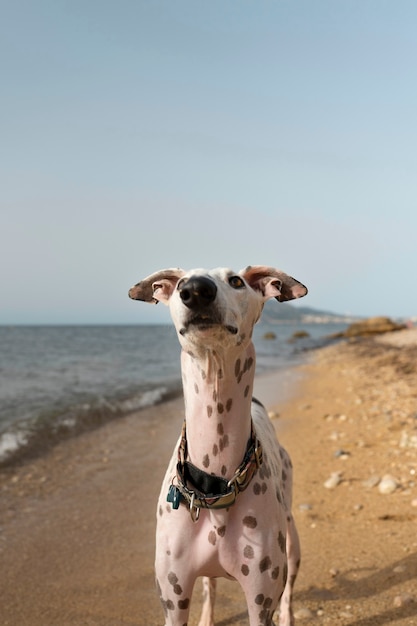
x: 334, y: 480
x: 387, y: 485
x: 273, y: 415
x: 402, y: 600
x: 305, y: 506
x: 303, y: 613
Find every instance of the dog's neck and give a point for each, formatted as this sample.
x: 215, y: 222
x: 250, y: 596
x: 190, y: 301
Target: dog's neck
x: 218, y: 393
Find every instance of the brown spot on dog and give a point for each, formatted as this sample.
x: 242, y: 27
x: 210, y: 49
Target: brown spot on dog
x: 265, y: 564
x: 212, y: 537
x: 229, y: 404
x: 177, y: 590
x: 259, y: 599
x: 209, y: 411
x: 172, y: 578
x: 224, y: 443
x: 169, y: 605
x: 250, y: 521
x: 248, y: 552
x: 285, y: 573
x: 206, y: 460
x: 164, y: 606
x: 244, y: 569
x: 237, y: 368
x: 265, y: 618
x: 220, y: 429
x: 184, y: 604
x: 221, y: 531
x: 220, y: 373
x: 224, y: 470
x: 275, y: 573
x: 215, y: 449
x: 257, y: 489
x: 220, y: 407
x: 246, y: 391
x: 196, y: 388
x: 281, y: 541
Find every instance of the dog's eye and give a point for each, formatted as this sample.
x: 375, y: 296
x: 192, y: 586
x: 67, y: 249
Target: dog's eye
x: 236, y: 282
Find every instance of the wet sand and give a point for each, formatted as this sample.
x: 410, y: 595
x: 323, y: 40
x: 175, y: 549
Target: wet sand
x: 77, y: 525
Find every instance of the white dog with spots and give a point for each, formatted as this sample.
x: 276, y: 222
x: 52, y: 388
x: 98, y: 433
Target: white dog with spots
x: 225, y: 504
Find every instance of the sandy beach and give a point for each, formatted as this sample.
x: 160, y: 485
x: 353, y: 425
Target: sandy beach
x: 77, y: 525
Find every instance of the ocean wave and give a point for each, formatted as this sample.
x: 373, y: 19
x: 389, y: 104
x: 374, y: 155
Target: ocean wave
x: 32, y: 437
x: 60, y: 381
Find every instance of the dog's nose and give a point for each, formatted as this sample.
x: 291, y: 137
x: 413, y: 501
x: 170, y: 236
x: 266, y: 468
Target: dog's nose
x: 197, y: 292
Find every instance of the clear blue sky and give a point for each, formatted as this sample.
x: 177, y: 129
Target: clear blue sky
x: 141, y: 135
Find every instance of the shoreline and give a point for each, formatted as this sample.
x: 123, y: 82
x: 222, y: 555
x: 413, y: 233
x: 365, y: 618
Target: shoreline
x: 77, y: 525
x: 76, y: 387
x: 37, y: 442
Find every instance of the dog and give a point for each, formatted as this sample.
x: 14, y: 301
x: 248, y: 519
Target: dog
x: 225, y: 505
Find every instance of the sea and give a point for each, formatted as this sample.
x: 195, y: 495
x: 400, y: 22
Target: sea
x: 58, y: 381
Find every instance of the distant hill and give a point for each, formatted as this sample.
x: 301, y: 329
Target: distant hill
x: 287, y: 312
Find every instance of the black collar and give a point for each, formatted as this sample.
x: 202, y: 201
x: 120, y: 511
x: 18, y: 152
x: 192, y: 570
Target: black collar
x: 201, y: 490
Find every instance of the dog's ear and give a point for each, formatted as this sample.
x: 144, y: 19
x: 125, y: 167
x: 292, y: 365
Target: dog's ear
x: 273, y: 283
x: 157, y: 287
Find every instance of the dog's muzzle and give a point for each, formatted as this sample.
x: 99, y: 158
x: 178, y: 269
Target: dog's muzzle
x: 198, y: 294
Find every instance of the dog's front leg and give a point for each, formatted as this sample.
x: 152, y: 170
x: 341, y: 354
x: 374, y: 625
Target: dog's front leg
x: 175, y: 575
x: 175, y: 586
x: 209, y: 596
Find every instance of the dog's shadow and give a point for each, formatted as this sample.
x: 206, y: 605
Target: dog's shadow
x: 242, y: 618
x: 353, y: 585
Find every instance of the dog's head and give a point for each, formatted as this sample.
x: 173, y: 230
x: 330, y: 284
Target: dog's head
x: 216, y: 306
